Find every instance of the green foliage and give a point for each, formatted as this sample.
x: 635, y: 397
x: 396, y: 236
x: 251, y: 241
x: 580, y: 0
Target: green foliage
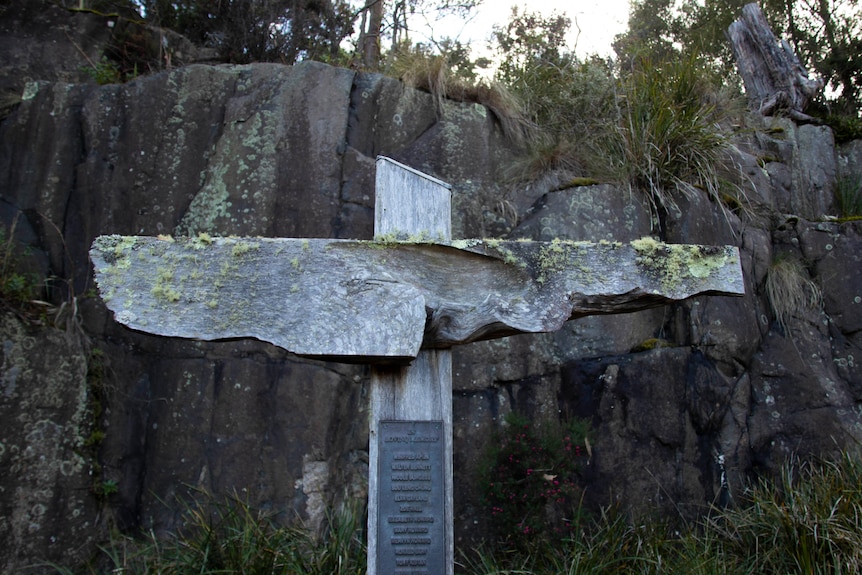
x: 232, y: 538
x: 655, y: 28
x: 824, y: 35
x: 105, y: 72
x: 668, y: 141
x: 846, y: 128
x: 572, y: 102
x: 848, y: 197
x: 808, y: 522
x: 530, y: 480
x: 258, y: 30
x: 18, y: 289
x: 655, y: 125
x: 565, y: 100
x: 608, y: 545
x: 529, y: 39
x: 103, y: 489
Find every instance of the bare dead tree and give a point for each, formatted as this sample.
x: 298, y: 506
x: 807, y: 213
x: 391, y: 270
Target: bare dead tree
x: 775, y: 80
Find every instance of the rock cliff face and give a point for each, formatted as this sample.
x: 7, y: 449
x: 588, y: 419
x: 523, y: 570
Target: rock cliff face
x: 280, y: 151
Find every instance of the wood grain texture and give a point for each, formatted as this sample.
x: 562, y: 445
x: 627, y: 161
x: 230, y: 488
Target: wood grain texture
x: 774, y: 78
x: 410, y: 203
x: 383, y: 301
x: 421, y: 391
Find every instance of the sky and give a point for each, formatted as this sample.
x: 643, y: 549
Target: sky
x: 594, y: 24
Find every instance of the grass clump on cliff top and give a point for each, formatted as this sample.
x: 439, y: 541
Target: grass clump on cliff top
x: 450, y: 75
x: 667, y: 139
x: 656, y: 125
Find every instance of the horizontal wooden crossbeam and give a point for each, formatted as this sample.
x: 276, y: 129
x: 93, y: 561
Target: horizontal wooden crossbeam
x: 383, y: 300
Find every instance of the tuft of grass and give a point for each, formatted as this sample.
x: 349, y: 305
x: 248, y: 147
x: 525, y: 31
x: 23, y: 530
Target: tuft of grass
x: 233, y: 538
x: 658, y: 127
x: 545, y: 154
x: 19, y: 290
x: 808, y: 521
x: 668, y: 141
x: 789, y: 290
x: 434, y: 73
x: 848, y: 197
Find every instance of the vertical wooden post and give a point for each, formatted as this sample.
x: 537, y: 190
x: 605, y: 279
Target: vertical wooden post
x: 409, y: 203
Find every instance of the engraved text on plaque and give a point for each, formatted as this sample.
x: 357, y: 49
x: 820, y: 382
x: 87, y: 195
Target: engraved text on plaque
x: 411, y: 535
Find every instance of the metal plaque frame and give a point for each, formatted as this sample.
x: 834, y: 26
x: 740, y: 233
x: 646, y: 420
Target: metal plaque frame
x: 411, y: 526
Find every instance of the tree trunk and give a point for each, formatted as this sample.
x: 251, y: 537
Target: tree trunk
x: 775, y: 81
x: 370, y: 44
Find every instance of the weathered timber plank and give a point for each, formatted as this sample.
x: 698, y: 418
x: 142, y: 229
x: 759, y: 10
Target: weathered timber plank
x: 409, y: 203
x: 773, y: 76
x: 377, y: 300
x: 421, y: 391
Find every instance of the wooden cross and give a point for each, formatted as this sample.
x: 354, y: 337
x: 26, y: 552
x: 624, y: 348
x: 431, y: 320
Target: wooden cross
x: 399, y: 303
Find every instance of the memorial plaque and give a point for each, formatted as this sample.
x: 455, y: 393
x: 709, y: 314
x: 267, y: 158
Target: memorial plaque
x: 411, y: 537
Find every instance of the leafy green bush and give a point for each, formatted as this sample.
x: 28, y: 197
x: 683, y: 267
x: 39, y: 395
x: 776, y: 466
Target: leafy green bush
x: 572, y: 103
x: 531, y: 480
x: 846, y: 128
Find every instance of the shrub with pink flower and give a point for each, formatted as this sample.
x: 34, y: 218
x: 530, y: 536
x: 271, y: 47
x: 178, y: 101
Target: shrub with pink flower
x: 532, y: 480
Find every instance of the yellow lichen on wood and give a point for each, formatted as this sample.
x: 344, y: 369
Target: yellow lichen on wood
x: 673, y: 263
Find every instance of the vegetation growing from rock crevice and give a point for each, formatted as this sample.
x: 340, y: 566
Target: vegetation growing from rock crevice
x: 531, y: 480
x: 808, y: 519
x: 17, y: 288
x: 789, y: 290
x: 848, y: 197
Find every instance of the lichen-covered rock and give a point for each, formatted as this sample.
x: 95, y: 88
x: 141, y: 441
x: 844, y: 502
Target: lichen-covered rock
x: 48, y: 511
